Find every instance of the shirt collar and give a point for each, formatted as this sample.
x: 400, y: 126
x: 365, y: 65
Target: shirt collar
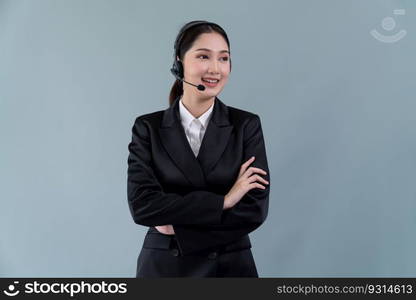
x: 187, y: 117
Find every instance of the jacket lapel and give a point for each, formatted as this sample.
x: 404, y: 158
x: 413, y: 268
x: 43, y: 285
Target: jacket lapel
x: 216, y: 137
x: 213, y: 144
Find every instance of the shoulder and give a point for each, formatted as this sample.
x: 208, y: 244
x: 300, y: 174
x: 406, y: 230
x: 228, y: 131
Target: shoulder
x: 146, y: 123
x: 152, y: 118
x: 247, y: 122
x: 242, y: 117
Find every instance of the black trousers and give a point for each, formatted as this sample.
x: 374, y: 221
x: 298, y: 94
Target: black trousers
x: 160, y: 256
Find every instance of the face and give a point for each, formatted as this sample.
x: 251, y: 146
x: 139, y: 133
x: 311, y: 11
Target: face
x: 212, y: 62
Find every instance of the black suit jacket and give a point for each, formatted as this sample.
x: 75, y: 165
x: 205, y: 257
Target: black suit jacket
x: 167, y: 184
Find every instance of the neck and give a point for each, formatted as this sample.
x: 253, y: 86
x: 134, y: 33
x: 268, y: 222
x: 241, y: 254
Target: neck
x: 195, y: 104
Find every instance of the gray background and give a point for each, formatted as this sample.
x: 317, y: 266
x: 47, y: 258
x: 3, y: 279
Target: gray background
x: 337, y: 109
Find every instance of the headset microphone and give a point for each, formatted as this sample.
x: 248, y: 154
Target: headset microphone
x: 199, y: 86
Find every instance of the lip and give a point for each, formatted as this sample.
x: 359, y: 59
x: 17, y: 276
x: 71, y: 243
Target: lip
x: 212, y: 78
x: 208, y: 84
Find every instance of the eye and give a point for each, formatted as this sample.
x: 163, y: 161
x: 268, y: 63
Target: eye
x: 225, y: 58
x: 202, y: 56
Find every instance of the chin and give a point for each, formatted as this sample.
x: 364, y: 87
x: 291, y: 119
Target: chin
x: 211, y: 94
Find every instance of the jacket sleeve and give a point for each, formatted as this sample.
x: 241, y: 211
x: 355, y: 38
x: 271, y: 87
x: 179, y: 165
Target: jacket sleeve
x: 149, y: 204
x: 246, y: 216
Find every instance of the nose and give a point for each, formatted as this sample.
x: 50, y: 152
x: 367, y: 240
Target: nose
x: 213, y: 67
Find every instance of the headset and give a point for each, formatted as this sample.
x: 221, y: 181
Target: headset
x: 177, y: 67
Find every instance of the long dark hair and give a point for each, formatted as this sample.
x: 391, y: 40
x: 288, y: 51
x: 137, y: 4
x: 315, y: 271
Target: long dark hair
x: 187, y: 38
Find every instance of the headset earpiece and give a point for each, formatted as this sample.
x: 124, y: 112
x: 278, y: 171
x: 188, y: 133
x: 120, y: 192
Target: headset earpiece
x: 179, y: 68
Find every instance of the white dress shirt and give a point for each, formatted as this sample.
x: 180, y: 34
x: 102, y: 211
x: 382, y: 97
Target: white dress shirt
x: 194, y: 127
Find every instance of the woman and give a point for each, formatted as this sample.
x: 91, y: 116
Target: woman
x: 197, y: 171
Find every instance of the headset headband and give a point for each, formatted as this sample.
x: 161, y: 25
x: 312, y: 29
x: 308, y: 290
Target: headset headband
x: 184, y: 30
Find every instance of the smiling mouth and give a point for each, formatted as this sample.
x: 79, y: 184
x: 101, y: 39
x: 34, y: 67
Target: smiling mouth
x: 210, y: 84
x: 210, y: 80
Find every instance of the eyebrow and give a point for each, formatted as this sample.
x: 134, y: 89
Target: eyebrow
x: 205, y: 49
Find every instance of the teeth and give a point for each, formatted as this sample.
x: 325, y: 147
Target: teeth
x: 209, y: 80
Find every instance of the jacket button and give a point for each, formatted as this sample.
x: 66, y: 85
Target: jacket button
x: 212, y: 255
x: 175, y: 252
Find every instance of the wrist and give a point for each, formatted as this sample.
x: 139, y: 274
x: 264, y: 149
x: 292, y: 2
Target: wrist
x: 226, y: 203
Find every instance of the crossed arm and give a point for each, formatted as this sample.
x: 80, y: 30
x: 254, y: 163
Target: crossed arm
x: 198, y: 219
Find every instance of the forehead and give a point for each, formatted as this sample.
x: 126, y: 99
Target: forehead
x: 212, y: 41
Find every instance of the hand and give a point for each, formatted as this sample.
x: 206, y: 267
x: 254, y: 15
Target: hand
x: 246, y: 181
x: 165, y: 229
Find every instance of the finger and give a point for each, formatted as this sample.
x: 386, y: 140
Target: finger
x: 257, y: 178
x: 245, y: 165
x: 252, y: 170
x: 256, y: 185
